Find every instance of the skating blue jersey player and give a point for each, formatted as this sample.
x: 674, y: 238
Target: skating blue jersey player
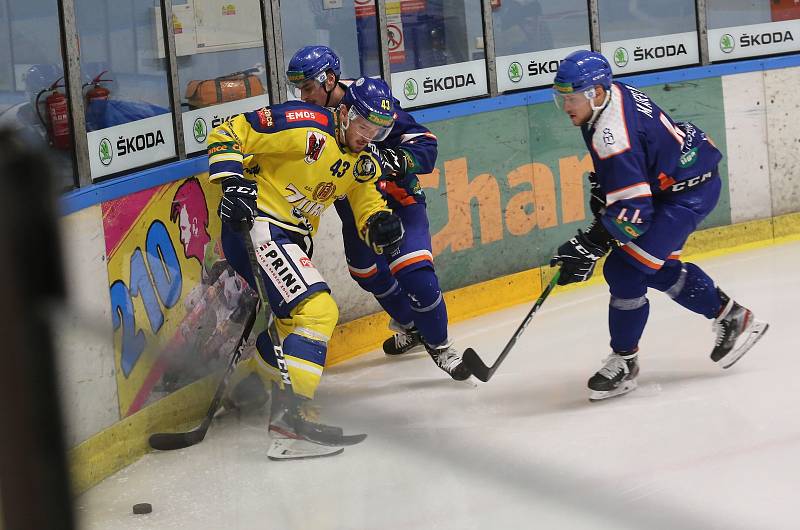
x: 404, y: 283
x: 654, y: 181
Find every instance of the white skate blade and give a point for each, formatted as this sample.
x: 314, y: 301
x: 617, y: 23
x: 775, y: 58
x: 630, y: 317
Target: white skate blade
x: 746, y: 341
x: 294, y: 449
x: 623, y: 388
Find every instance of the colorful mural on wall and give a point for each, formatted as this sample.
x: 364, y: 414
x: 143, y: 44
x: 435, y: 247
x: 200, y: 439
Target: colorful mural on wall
x: 177, y: 307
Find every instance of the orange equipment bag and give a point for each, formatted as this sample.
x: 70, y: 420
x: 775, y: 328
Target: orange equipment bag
x: 223, y: 89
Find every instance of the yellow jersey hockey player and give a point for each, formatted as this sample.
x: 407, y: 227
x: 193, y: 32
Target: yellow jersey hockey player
x: 280, y: 167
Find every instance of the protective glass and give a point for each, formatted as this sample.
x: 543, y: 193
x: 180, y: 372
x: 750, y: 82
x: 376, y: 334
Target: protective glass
x: 367, y: 128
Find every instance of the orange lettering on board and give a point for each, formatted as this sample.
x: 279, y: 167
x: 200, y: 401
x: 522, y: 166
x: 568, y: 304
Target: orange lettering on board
x: 571, y: 172
x: 536, y: 206
x: 460, y: 191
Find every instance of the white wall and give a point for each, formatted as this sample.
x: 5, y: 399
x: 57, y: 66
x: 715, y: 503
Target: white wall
x: 329, y: 258
x: 84, y: 336
x: 783, y: 126
x: 746, y: 137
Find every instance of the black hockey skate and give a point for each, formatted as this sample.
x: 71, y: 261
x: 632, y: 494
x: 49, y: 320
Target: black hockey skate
x: 616, y: 377
x: 737, y: 331
x: 293, y: 417
x: 405, y: 340
x: 448, y: 359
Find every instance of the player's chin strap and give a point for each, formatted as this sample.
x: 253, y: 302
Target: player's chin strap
x: 597, y: 110
x: 330, y: 92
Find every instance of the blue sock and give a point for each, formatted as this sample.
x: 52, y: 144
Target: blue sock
x: 427, y: 304
x: 390, y: 296
x: 689, y: 285
x: 626, y: 321
x: 629, y: 308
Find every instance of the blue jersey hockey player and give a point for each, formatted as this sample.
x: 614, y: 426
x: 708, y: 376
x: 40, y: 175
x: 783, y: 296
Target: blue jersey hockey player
x: 404, y: 283
x: 654, y: 181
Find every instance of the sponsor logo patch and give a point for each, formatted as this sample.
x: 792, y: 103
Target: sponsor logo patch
x: 279, y: 270
x: 306, y: 115
x: 265, y: 117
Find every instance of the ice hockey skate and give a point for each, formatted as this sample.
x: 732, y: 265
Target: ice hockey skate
x: 616, y: 377
x: 293, y: 417
x: 403, y: 341
x: 448, y: 359
x: 737, y: 331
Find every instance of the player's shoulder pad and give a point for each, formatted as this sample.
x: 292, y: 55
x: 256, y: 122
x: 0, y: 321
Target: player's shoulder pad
x: 611, y: 136
x: 291, y: 115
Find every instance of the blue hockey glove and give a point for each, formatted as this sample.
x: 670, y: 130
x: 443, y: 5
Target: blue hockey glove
x: 384, y: 233
x: 579, y: 255
x: 238, y: 204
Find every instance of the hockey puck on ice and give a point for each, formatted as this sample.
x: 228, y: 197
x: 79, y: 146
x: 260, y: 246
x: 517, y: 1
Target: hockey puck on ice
x: 142, y: 507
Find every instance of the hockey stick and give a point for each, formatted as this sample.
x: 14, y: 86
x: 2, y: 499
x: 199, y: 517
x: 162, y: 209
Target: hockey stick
x: 478, y: 367
x: 318, y: 433
x: 167, y: 441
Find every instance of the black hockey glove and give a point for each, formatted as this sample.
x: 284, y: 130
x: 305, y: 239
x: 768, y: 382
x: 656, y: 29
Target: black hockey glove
x: 579, y: 255
x: 384, y: 233
x: 597, y: 196
x: 238, y: 204
x: 394, y: 162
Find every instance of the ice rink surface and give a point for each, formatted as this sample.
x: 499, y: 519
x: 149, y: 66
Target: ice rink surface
x: 694, y: 447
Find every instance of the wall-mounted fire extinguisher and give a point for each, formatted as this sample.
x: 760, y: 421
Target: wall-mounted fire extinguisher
x: 57, y: 122
x: 96, y: 91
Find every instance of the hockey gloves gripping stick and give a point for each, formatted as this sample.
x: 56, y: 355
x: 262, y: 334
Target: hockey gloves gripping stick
x: 238, y: 204
x: 580, y: 254
x: 384, y: 233
x: 168, y: 441
x: 478, y: 367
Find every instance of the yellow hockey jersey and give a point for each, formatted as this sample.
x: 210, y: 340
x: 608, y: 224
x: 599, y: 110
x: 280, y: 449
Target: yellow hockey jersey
x: 291, y: 151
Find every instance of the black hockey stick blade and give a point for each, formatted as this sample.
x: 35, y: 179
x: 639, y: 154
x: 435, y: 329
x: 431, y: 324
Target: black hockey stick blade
x: 476, y: 365
x: 170, y: 441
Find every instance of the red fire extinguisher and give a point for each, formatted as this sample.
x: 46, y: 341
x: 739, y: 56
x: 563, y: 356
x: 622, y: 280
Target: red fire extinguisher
x: 97, y: 92
x: 57, y: 123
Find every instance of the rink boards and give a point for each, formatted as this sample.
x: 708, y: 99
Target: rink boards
x: 508, y: 188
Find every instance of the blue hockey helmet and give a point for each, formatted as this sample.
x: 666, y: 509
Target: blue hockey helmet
x: 580, y: 72
x: 370, y: 100
x: 312, y: 62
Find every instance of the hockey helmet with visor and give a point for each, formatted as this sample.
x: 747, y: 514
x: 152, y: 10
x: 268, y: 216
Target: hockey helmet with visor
x: 578, y: 74
x: 370, y: 107
x: 311, y: 63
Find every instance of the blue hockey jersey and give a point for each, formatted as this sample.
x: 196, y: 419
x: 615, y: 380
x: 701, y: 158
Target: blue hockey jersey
x: 642, y: 156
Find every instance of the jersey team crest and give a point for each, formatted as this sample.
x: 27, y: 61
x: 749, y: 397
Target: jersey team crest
x: 315, y: 143
x: 364, y: 170
x: 324, y: 191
